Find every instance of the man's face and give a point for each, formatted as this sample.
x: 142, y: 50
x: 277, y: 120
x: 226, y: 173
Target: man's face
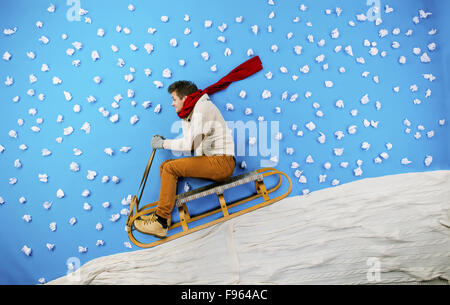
x: 177, y: 102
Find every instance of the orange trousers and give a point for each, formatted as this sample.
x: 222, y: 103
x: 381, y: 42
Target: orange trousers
x: 217, y: 168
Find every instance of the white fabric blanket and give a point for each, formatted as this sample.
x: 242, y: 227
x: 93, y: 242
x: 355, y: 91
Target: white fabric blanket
x: 389, y: 229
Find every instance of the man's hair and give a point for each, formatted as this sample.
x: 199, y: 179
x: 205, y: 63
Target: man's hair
x: 182, y: 88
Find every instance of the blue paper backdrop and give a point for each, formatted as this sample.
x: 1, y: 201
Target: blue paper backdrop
x: 350, y: 87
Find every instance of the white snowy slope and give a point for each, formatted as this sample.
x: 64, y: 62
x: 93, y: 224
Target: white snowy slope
x: 392, y: 229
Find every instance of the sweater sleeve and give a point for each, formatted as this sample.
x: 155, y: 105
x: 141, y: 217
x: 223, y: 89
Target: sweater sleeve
x: 192, y: 130
x: 180, y: 144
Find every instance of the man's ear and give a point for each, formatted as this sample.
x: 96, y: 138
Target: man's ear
x: 183, y: 99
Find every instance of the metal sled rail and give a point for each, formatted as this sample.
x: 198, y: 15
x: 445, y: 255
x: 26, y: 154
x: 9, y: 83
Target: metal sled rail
x: 257, y: 177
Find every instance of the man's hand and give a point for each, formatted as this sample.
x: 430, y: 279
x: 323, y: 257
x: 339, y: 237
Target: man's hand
x: 157, y: 141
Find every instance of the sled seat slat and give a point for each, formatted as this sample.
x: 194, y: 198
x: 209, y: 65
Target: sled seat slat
x: 218, y: 187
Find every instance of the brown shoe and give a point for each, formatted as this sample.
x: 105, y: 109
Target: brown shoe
x: 149, y: 216
x: 151, y: 226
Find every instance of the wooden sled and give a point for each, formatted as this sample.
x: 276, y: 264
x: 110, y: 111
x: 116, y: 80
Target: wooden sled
x: 218, y: 188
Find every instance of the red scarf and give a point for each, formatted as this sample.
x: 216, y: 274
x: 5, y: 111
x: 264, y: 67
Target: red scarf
x: 244, y: 70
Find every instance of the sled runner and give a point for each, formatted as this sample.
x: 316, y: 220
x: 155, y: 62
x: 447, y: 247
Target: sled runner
x: 223, y: 208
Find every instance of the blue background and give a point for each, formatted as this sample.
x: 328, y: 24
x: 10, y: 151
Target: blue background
x: 17, y: 268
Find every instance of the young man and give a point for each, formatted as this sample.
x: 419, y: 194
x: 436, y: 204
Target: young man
x: 204, y: 132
